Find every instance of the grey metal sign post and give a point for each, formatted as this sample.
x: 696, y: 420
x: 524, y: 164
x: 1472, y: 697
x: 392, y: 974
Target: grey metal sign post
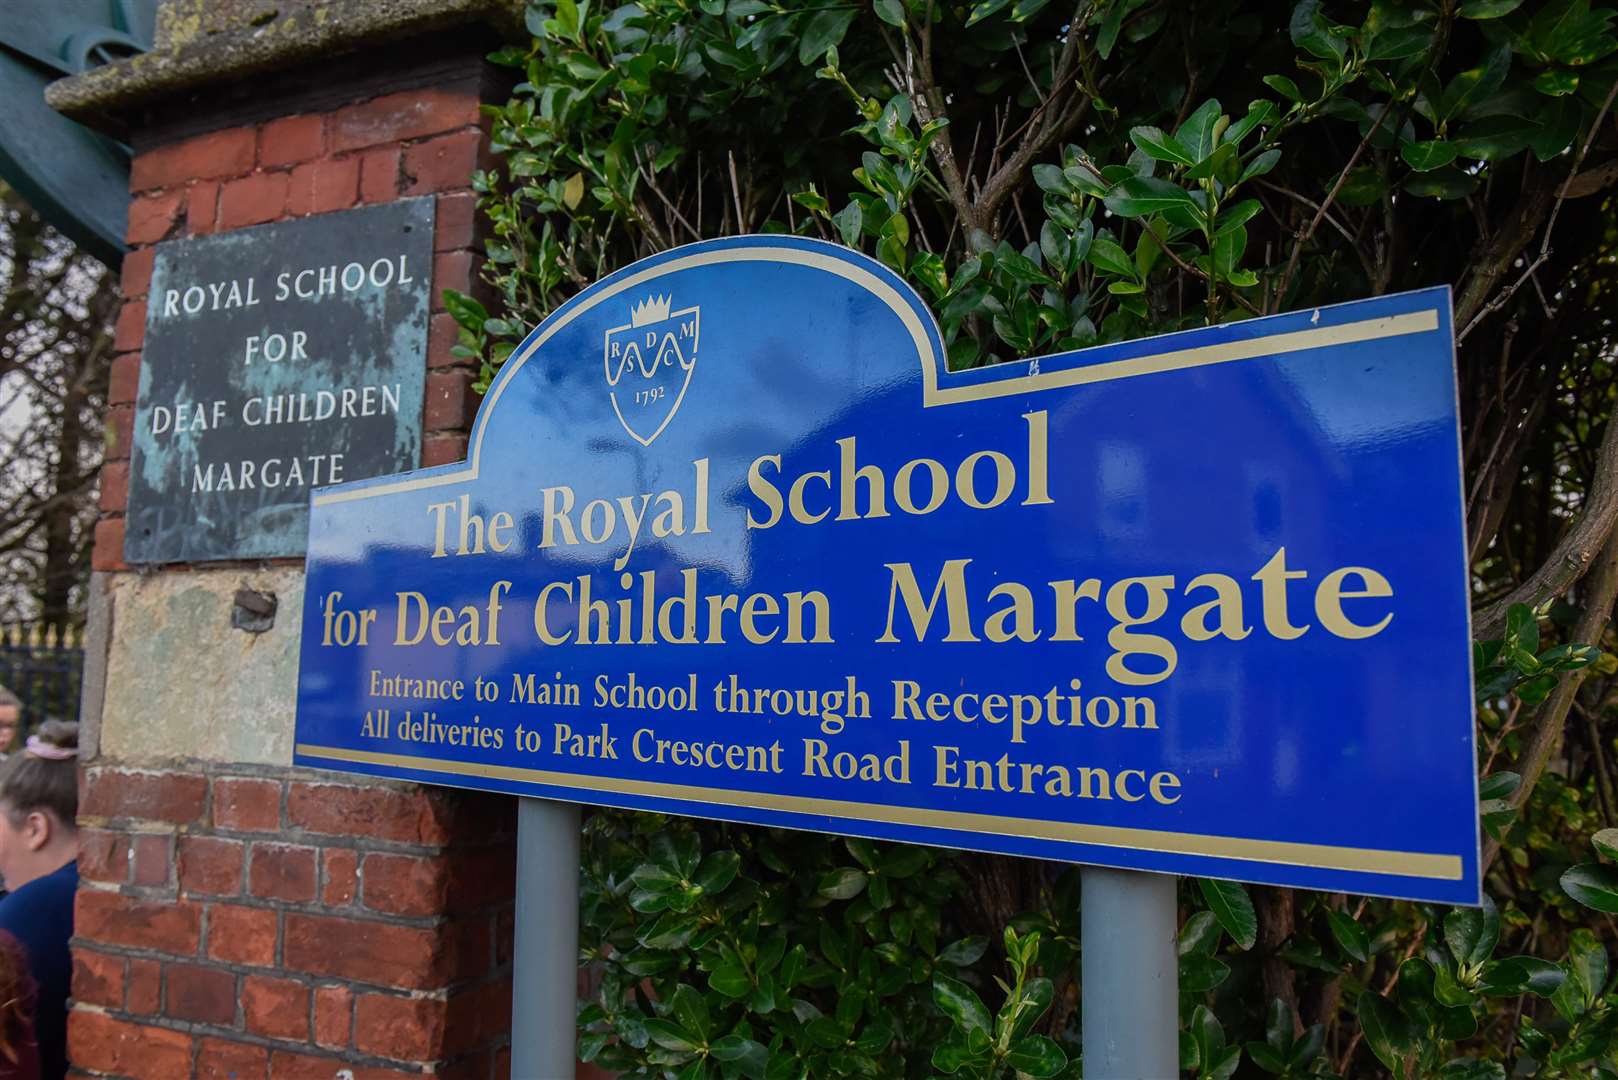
x: 545, y: 954
x: 1131, y: 975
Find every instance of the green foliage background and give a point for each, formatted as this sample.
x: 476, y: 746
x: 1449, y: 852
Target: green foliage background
x: 1050, y: 175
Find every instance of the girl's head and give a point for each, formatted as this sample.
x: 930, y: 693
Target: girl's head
x: 39, y: 804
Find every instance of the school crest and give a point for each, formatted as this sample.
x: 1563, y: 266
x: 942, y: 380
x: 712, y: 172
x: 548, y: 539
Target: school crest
x: 649, y: 363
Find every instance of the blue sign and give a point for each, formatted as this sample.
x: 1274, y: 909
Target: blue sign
x: 731, y: 542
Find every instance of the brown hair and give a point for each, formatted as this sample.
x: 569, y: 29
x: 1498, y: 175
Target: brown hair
x: 18, y: 997
x: 32, y: 782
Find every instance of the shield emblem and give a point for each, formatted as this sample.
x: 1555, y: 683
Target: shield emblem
x: 649, y: 363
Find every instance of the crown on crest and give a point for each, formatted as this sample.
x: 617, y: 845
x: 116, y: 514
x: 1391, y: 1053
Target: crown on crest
x: 650, y: 310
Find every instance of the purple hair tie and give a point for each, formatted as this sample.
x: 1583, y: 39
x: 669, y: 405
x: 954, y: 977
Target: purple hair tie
x: 42, y: 749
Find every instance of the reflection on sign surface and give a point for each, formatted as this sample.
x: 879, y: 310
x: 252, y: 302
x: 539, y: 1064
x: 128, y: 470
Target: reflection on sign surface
x: 1196, y: 603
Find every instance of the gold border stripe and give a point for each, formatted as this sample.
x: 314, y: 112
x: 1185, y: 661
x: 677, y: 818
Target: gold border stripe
x: 1316, y: 856
x: 932, y: 393
x: 1415, y: 322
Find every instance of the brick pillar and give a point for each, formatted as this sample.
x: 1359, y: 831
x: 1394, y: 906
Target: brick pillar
x: 240, y: 917
x: 234, y: 921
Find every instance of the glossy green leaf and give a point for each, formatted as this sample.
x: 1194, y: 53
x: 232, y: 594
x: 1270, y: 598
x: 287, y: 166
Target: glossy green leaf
x: 1595, y: 885
x: 1260, y: 165
x: 1556, y: 82
x: 1519, y: 975
x: 1284, y: 86
x: 1199, y: 973
x: 1349, y: 935
x: 1471, y: 933
x: 670, y: 1035
x: 1429, y: 155
x: 1475, y: 84
x: 1200, y: 934
x: 1198, y: 135
x: 1037, y: 1056
x: 718, y: 871
x: 1310, y: 32
x: 965, y: 952
x: 1143, y: 195
x: 960, y: 1003
x: 1233, y: 907
x: 891, y: 12
x: 822, y: 32
x: 1161, y: 145
x: 1386, y: 1030
x: 1108, y: 256
x: 1487, y: 9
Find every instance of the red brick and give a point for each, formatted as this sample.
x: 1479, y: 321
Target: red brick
x: 98, y: 979
x: 286, y: 1065
x: 252, y: 200
x: 479, y: 878
x: 291, y: 139
x: 443, y: 332
x: 218, y: 1059
x: 383, y: 813
x: 470, y: 947
x: 206, y: 995
x: 216, y: 154
x: 108, y: 553
x: 334, y: 1016
x: 211, y: 866
x: 505, y: 933
x: 478, y: 1016
x: 405, y: 884
x: 376, y: 952
x: 282, y: 872
x: 143, y: 994
x: 114, y: 494
x: 247, y: 805
x: 469, y: 1067
x: 451, y: 270
x: 151, y: 217
x: 455, y: 220
x: 402, y: 1028
x: 319, y: 187
x: 120, y: 423
x: 130, y: 329
x: 379, y: 175
x: 103, y: 855
x: 151, y: 859
x: 449, y: 401
x: 123, y: 382
x: 410, y: 114
x: 341, y: 877
x: 97, y: 1042
x: 176, y: 798
x: 202, y: 207
x: 442, y: 450
x: 445, y: 163
x: 337, y: 185
x: 278, y: 1008
x: 242, y: 935
x: 159, y: 925
x: 136, y: 274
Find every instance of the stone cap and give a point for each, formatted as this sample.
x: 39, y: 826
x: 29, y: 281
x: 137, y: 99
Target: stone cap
x: 210, y: 41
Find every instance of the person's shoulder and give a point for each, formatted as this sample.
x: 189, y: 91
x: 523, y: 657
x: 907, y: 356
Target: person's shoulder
x: 46, y: 897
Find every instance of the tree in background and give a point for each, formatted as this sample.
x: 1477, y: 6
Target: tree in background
x: 56, y: 315
x: 1049, y: 175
